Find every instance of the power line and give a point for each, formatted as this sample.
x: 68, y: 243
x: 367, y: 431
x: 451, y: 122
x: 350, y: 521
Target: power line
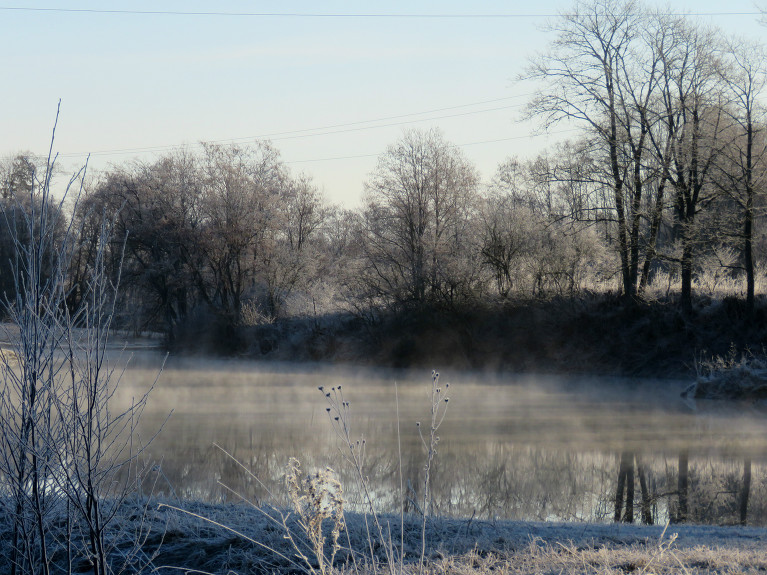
x: 359, y: 156
x: 266, y: 14
x: 431, y: 118
x: 386, y: 118
x: 328, y: 15
x: 466, y: 144
x: 557, y: 133
x: 328, y: 129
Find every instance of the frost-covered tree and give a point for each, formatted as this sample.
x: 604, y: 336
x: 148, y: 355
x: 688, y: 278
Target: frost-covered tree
x: 417, y: 221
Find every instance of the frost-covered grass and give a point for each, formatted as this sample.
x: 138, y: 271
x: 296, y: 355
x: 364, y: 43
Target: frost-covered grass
x: 733, y: 376
x: 238, y: 538
x: 130, y: 540
x: 460, y: 545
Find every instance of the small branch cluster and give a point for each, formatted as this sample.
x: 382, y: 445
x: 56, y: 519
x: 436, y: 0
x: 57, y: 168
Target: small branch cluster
x: 353, y: 451
x: 439, y: 402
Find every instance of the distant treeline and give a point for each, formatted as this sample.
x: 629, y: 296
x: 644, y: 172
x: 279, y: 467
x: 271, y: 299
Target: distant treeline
x: 661, y: 189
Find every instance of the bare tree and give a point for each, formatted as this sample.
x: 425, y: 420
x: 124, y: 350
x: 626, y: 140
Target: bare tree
x: 207, y: 234
x: 242, y: 187
x: 504, y: 239
x: 419, y: 201
x: 600, y: 74
x: 742, y: 163
x: 649, y: 90
x: 159, y: 218
x: 17, y: 175
x: 692, y: 130
x: 541, y: 223
x: 292, y: 260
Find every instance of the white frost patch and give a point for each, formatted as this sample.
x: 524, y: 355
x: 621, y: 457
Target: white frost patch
x: 444, y: 537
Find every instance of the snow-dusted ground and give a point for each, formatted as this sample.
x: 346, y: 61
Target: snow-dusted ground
x: 245, y: 540
x: 188, y: 537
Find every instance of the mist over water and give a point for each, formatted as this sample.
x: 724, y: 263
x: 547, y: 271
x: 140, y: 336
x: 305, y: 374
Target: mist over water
x: 511, y: 447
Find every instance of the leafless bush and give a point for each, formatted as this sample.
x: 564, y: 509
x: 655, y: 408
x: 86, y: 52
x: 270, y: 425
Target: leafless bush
x: 67, y: 462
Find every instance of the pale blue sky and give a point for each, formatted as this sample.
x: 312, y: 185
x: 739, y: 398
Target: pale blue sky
x: 140, y: 81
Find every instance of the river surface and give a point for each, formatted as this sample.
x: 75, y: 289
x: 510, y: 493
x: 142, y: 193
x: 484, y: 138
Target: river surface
x: 510, y: 447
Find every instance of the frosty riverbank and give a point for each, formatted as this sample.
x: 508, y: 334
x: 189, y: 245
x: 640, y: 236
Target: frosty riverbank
x: 462, y: 545
x: 239, y: 539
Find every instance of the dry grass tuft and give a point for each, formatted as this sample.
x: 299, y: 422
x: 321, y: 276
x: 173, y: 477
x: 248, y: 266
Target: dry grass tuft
x: 315, y: 498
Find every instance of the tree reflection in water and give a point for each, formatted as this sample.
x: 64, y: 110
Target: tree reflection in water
x: 514, y: 448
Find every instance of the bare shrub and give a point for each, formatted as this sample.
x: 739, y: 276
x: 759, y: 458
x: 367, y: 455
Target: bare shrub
x: 67, y: 462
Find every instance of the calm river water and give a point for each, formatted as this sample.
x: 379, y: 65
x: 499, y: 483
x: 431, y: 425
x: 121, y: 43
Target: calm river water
x: 511, y: 447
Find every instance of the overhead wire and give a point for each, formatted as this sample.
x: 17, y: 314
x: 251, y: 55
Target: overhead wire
x: 396, y: 117
x: 329, y: 15
x: 333, y: 128
x: 360, y: 156
x: 466, y: 144
x: 326, y: 130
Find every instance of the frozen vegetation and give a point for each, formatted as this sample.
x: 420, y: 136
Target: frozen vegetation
x: 560, y: 263
x: 463, y: 545
x: 731, y: 378
x: 238, y: 538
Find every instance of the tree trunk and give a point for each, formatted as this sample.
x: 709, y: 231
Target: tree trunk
x: 625, y: 485
x: 629, y: 288
x: 628, y: 515
x: 682, y: 485
x: 636, y: 208
x: 685, y: 301
x: 657, y: 218
x: 748, y: 219
x: 621, y: 489
x: 745, y: 491
x: 646, y: 500
x: 748, y: 227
